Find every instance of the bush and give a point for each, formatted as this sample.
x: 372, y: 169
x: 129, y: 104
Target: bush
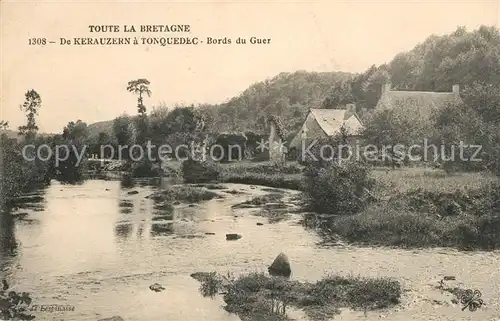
x: 194, y: 171
x: 13, y: 305
x: 259, y: 295
x: 233, y: 147
x: 19, y: 175
x: 341, y: 189
x: 145, y: 169
x: 424, y: 220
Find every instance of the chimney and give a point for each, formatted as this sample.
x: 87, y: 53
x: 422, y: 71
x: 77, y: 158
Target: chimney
x: 456, y: 89
x: 386, y: 87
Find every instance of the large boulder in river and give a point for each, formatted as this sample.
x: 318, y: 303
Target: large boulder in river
x: 280, y: 266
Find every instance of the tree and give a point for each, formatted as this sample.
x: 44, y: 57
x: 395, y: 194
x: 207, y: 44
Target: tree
x: 340, y: 94
x: 30, y: 106
x: 4, y: 125
x: 77, y: 132
x: 122, y: 129
x: 140, y: 87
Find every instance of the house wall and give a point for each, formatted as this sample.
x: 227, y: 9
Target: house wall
x: 312, y: 131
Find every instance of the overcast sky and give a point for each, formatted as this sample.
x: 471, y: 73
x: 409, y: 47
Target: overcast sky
x: 89, y: 82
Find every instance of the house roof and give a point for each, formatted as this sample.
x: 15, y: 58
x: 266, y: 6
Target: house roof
x: 331, y: 120
x: 423, y: 101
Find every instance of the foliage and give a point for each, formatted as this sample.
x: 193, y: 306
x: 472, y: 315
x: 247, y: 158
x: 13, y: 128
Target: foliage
x: 233, y: 147
x: 139, y: 87
x: 144, y: 169
x: 341, y: 94
x: 257, y: 295
x: 338, y: 188
x: 18, y: 174
x: 288, y: 95
x: 21, y: 172
x: 72, y: 158
x: 32, y: 103
x: 4, y: 125
x: 186, y: 193
x: 465, y: 219
x: 122, y: 129
x: 195, y: 171
x: 13, y: 305
x: 461, y: 127
x: 252, y: 143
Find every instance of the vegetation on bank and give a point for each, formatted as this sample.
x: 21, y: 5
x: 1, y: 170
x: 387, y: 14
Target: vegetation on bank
x: 416, y: 218
x: 257, y: 296
x: 183, y: 193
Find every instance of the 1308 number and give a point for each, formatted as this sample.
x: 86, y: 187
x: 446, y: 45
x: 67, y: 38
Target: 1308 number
x: 37, y: 41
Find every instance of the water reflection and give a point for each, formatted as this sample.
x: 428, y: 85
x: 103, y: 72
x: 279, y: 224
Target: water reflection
x: 123, y: 230
x: 127, y: 181
x: 8, y: 242
x: 162, y: 229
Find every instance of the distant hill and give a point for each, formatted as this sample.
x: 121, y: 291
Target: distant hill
x: 470, y: 59
x: 10, y: 133
x: 14, y: 134
x: 288, y: 95
x: 102, y: 126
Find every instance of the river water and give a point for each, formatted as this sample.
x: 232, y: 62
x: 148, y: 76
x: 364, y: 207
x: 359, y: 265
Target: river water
x: 97, y: 248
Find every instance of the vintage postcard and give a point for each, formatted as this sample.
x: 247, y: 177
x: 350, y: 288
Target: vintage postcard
x: 250, y: 160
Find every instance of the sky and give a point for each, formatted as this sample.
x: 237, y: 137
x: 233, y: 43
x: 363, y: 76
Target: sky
x: 89, y: 82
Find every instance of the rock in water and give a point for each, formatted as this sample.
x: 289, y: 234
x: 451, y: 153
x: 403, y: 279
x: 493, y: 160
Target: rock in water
x: 232, y: 236
x: 156, y: 287
x: 280, y: 266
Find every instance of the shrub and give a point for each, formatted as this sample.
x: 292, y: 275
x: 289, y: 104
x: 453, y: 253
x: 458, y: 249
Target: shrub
x: 145, y: 169
x: 13, y: 305
x: 194, y: 171
x: 337, y: 188
x: 259, y: 295
x: 423, y: 220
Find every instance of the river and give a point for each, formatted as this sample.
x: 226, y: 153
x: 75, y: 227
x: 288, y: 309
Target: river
x: 97, y: 248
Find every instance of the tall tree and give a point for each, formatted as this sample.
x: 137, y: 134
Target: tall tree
x: 31, y: 104
x: 140, y: 87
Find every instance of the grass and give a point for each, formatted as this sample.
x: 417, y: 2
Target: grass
x: 402, y: 180
x: 184, y: 193
x: 262, y: 200
x: 256, y: 296
x: 465, y: 220
x: 413, y: 207
x: 288, y: 181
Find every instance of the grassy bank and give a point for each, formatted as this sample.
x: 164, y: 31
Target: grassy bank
x: 422, y: 208
x: 263, y: 173
x: 256, y: 296
x: 406, y: 207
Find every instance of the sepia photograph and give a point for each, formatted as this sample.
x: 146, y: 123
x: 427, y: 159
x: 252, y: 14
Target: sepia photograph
x: 249, y: 160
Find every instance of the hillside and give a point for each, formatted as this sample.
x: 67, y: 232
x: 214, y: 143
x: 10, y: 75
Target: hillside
x: 470, y: 59
x: 102, y: 126
x: 287, y: 94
